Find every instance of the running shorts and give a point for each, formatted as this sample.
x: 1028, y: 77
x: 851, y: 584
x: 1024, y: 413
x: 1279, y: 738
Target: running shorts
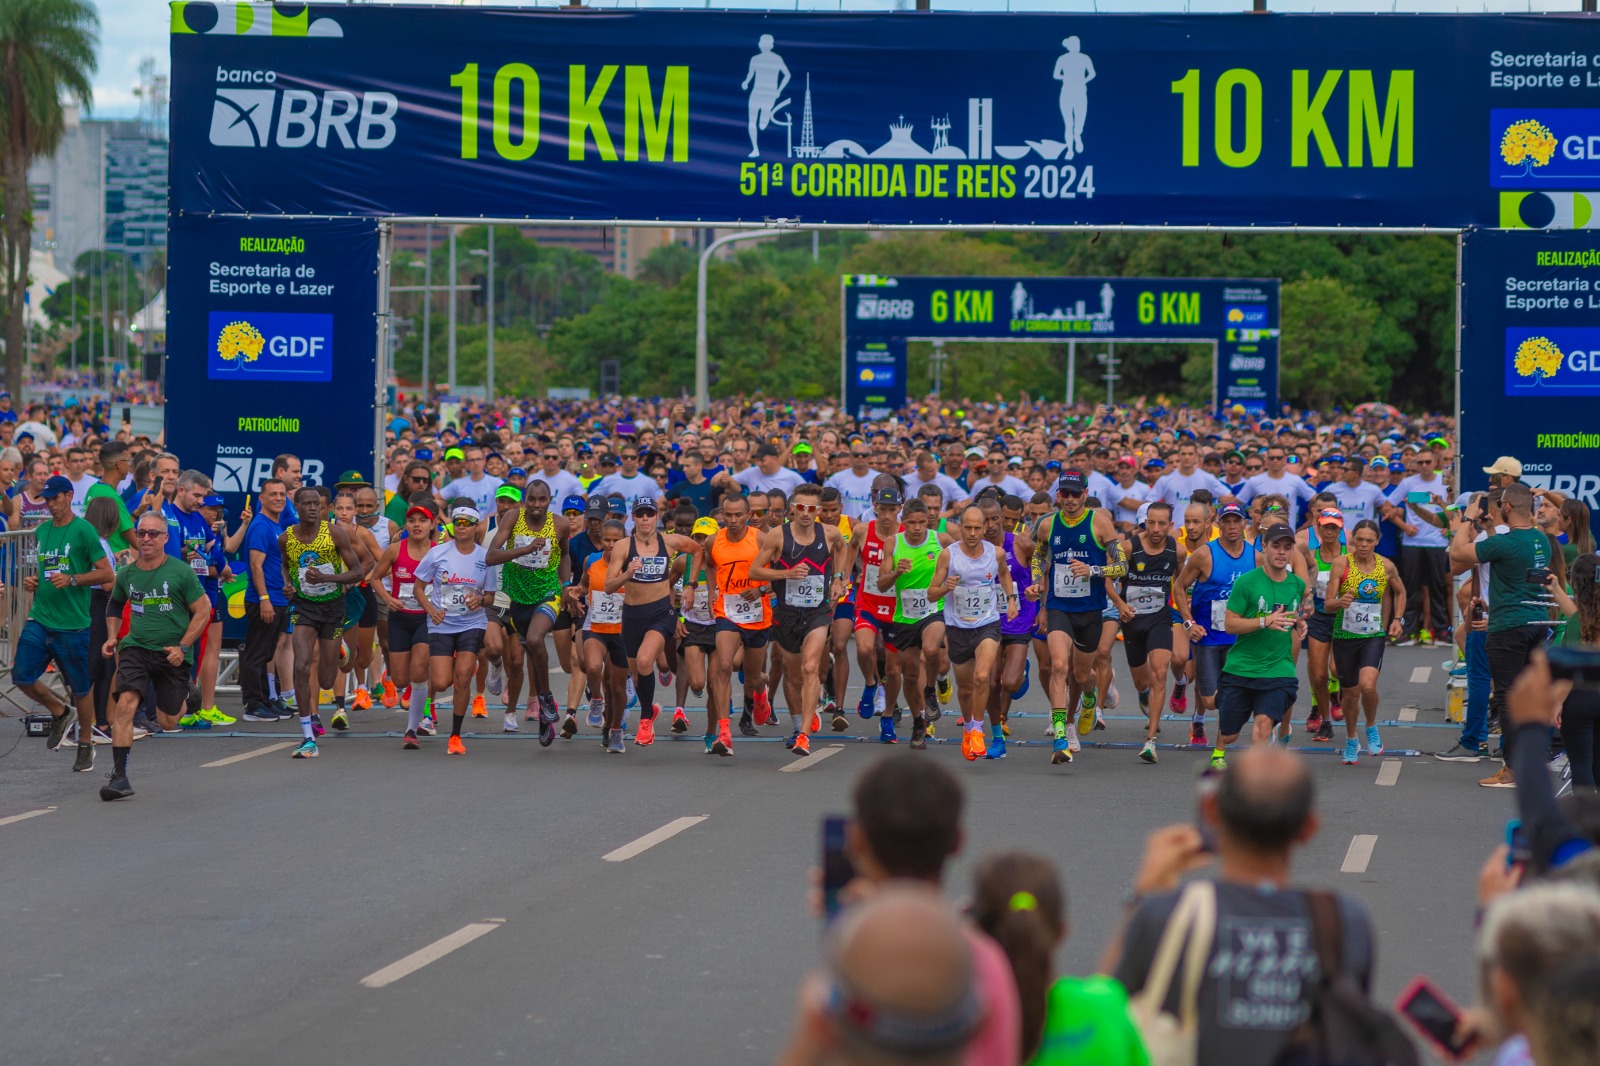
x: 1319, y: 627
x: 1084, y: 627
x: 616, y: 654
x: 908, y: 637
x: 696, y: 635
x: 139, y: 669
x: 1208, y: 660
x: 1241, y: 699
x: 1145, y: 634
x: 1351, y: 655
x: 323, y: 617
x: 750, y: 638
x: 790, y: 626
x: 445, y: 645
x: 639, y: 619
x: 407, y: 629
x: 963, y: 643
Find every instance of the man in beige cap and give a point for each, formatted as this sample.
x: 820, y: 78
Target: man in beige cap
x: 1503, y: 471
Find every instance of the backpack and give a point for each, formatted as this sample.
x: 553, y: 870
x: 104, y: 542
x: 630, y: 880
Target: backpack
x: 1345, y: 1027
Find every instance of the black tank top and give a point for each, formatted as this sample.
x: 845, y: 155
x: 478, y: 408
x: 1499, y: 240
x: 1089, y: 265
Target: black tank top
x: 652, y: 568
x: 1149, y: 582
x: 804, y: 594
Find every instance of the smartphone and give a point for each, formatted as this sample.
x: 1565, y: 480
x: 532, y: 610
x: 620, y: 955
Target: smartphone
x: 837, y: 870
x: 1581, y: 666
x: 1426, y: 1006
x: 1205, y: 786
x: 1517, y: 851
x: 1537, y: 575
x: 1419, y: 497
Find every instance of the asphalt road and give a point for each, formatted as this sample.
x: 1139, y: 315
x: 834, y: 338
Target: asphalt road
x: 254, y: 911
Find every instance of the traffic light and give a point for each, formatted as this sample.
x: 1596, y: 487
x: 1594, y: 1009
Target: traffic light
x: 480, y: 283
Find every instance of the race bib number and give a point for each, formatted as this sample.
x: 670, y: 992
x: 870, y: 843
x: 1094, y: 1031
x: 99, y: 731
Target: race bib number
x: 408, y: 597
x: 534, y: 560
x: 914, y: 604
x: 651, y: 568
x: 605, y: 608
x: 699, y: 611
x: 869, y: 580
x: 1067, y: 586
x: 803, y: 591
x: 1363, y: 619
x: 739, y: 610
x: 1322, y: 584
x: 315, y: 588
x: 1146, y: 599
x: 453, y: 599
x: 1219, y: 616
x: 973, y: 603
x: 200, y: 567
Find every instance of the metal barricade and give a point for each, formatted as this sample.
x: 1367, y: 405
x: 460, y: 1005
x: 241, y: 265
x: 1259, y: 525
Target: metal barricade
x: 19, y: 558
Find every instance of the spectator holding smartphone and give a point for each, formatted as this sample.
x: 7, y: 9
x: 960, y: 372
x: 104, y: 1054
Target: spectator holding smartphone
x: 1527, y: 938
x: 1580, y: 713
x: 1519, y: 561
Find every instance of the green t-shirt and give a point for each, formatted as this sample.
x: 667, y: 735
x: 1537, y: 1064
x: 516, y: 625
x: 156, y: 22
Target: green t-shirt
x: 70, y: 549
x: 396, y: 510
x: 1510, y: 556
x: 1087, y: 1023
x: 117, y: 540
x: 911, y: 588
x: 1263, y: 652
x: 160, y: 599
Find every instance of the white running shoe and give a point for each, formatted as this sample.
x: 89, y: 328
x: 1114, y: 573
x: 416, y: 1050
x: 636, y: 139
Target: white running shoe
x: 878, y: 701
x: 1112, y: 699
x: 1073, y: 743
x: 510, y: 722
x: 497, y: 678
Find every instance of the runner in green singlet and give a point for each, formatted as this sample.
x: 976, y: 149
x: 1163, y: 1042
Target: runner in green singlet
x: 534, y: 581
x: 917, y: 631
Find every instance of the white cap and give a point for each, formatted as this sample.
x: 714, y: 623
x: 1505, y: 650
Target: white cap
x: 466, y: 512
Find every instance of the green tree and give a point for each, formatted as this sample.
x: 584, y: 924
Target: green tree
x: 47, y: 54
x: 1326, y: 347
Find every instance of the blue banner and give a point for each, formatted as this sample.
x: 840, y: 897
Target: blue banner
x: 875, y: 377
x: 271, y: 348
x: 1238, y: 315
x: 1530, y: 359
x: 927, y: 118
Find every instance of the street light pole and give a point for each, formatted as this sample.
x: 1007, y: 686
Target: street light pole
x: 454, y: 277
x: 702, y: 371
x: 427, y: 307
x: 489, y: 305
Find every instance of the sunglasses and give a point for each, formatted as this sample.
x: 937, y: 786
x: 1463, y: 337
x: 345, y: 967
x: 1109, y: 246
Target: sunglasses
x: 468, y: 522
x: 805, y: 508
x: 644, y: 512
x: 1069, y: 494
x: 143, y: 534
x: 758, y: 511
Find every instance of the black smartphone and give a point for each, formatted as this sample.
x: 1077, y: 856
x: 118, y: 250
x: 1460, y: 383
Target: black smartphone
x: 1537, y: 575
x: 1436, y: 1018
x: 837, y: 870
x: 1205, y: 786
x: 1581, y: 666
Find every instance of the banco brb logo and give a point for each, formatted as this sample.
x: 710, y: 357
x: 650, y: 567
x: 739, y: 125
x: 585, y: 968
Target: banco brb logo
x: 295, y: 118
x: 242, y: 118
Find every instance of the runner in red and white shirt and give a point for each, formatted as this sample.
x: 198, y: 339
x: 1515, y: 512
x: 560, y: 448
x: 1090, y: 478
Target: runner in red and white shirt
x: 408, y: 622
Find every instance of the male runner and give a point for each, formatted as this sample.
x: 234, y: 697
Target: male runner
x: 804, y: 562
x: 743, y: 617
x: 973, y: 577
x: 1364, y: 588
x: 1145, y: 609
x: 1263, y: 613
x: 541, y: 567
x: 1211, y: 570
x: 1004, y: 528
x: 872, y: 543
x: 917, y: 627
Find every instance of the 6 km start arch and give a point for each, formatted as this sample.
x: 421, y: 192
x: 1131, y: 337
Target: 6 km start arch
x: 1238, y: 317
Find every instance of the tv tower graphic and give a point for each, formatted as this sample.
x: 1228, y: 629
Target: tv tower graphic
x: 808, y: 143
x: 941, y: 132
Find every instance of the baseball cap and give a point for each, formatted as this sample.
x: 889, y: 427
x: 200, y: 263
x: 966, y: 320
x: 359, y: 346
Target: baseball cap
x: 423, y: 455
x: 516, y: 471
x: 1015, y: 460
x: 212, y: 501
x: 644, y: 505
x: 1231, y: 510
x: 1330, y: 516
x: 1273, y: 534
x: 608, y: 459
x: 707, y: 526
x: 1379, y: 463
x: 574, y: 503
x: 508, y: 492
x: 1397, y: 467
x: 800, y: 448
x: 454, y: 453
x: 55, y: 486
x: 1505, y: 465
x: 884, y: 497
x: 1126, y: 460
x: 596, y: 507
x: 1155, y: 462
x: 976, y: 453
x: 1072, y: 481
x: 616, y: 505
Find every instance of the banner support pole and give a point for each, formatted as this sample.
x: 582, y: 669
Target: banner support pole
x: 381, y: 382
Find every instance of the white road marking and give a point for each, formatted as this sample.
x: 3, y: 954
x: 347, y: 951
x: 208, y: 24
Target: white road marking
x: 815, y: 757
x: 1359, y: 855
x: 1408, y: 714
x: 1389, y: 772
x: 268, y: 750
x: 1420, y: 674
x: 25, y: 815
x: 654, y: 837
x: 432, y: 953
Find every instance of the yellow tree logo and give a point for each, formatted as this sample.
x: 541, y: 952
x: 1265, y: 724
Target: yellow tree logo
x: 1528, y: 144
x: 1538, y: 358
x: 240, y: 343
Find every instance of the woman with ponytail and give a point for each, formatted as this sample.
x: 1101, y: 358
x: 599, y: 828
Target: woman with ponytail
x: 1580, y: 714
x: 1071, y: 1021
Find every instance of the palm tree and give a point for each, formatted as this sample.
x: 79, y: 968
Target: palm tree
x: 47, y: 53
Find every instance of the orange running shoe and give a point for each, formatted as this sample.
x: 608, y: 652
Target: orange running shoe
x: 976, y: 748
x: 723, y: 745
x: 762, y: 708
x: 455, y: 747
x: 390, y: 698
x: 478, y: 708
x: 966, y: 745
x: 816, y: 723
x: 363, y: 700
x: 647, y: 729
x: 802, y: 745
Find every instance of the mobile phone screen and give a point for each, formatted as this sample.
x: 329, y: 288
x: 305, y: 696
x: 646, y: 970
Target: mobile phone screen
x: 837, y: 870
x: 1435, y: 1017
x: 1418, y: 497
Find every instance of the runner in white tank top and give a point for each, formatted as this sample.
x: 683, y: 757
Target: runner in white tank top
x: 974, y: 578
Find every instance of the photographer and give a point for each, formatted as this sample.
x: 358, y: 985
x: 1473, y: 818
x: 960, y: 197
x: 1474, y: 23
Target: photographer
x: 1580, y: 713
x: 1519, y: 614
x: 1483, y: 511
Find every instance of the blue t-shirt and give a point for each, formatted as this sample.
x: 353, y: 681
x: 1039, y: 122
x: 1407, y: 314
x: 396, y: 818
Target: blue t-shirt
x: 262, y: 536
x: 191, y: 533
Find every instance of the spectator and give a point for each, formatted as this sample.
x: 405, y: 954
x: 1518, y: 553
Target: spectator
x: 1261, y: 810
x: 1564, y: 1024
x: 1580, y: 714
x: 1527, y: 938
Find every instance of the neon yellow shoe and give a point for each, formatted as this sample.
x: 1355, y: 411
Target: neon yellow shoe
x: 216, y: 717
x: 1086, y: 707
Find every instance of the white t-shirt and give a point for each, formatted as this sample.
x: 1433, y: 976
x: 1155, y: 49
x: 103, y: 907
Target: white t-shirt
x: 638, y: 487
x: 1178, y: 489
x: 1123, y: 503
x: 856, y: 490
x: 1100, y: 487
x: 80, y: 492
x: 562, y: 483
x: 1427, y: 535
x: 1011, y: 486
x: 449, y: 576
x: 953, y: 492
x: 1358, y: 503
x: 1296, y: 488
x: 751, y: 479
x: 480, y: 492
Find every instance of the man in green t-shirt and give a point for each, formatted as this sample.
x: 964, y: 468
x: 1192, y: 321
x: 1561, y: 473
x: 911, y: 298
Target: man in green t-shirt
x: 113, y: 468
x: 71, y: 562
x: 1518, y: 608
x: 1266, y: 616
x: 414, y: 479
x: 168, y: 610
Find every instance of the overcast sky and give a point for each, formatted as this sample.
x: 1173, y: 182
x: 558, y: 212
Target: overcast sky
x: 133, y: 29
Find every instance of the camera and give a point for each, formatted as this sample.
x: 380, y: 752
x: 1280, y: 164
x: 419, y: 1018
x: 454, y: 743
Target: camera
x: 1537, y: 575
x: 1581, y: 666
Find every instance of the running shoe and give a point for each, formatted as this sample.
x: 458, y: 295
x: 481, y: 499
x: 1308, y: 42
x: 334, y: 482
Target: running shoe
x: 496, y: 681
x: 867, y: 707
x: 664, y: 677
x: 919, y: 734
x: 1219, y: 760
x: 453, y: 746
x: 840, y: 722
x: 191, y: 702
x: 946, y: 688
x: 479, y: 708
x: 410, y: 742
x: 85, y: 760
x: 1460, y: 753
x: 1313, y: 721
x: 1502, y: 778
x: 1426, y: 638
x: 614, y: 742
x: 723, y: 745
x: 680, y: 721
x: 216, y: 717
x: 140, y: 732
x: 1148, y: 752
x: 801, y: 745
x: 1374, y: 741
x: 1073, y: 744
x: 789, y: 740
x: 569, y: 727
x: 317, y: 728
x: 1352, y: 751
x: 933, y: 711
x: 1325, y: 732
x: 58, y: 729
x: 633, y: 697
x: 930, y: 729
x: 1099, y: 720
x: 597, y: 713
x: 1005, y: 726
x: 426, y: 727
x: 326, y: 695
x: 646, y: 734
x: 306, y: 750
x: 997, y: 748
x: 886, y: 730
x: 389, y: 698
x: 339, y: 721
x: 1027, y: 671
x: 1112, y: 697
x: 930, y: 700
x: 1406, y: 642
x: 747, y: 726
x: 193, y: 722
x: 116, y: 787
x: 830, y: 706
x: 363, y: 699
x: 976, y: 749
x: 1143, y: 695
x: 533, y: 711
x: 264, y: 713
x: 1336, y: 710
x: 98, y: 736
x: 1197, y: 734
x: 1086, y: 708
x: 547, y: 721
x: 405, y: 695
x: 508, y: 723
x: 1287, y: 734
x: 763, y: 709
x: 1178, y: 702
x: 1059, y: 754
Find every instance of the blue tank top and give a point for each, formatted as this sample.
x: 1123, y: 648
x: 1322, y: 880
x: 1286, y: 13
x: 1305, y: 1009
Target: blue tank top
x: 1069, y: 542
x: 1210, y: 597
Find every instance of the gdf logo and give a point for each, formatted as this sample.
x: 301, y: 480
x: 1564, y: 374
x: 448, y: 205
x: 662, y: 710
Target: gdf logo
x: 871, y: 305
x: 244, y: 118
